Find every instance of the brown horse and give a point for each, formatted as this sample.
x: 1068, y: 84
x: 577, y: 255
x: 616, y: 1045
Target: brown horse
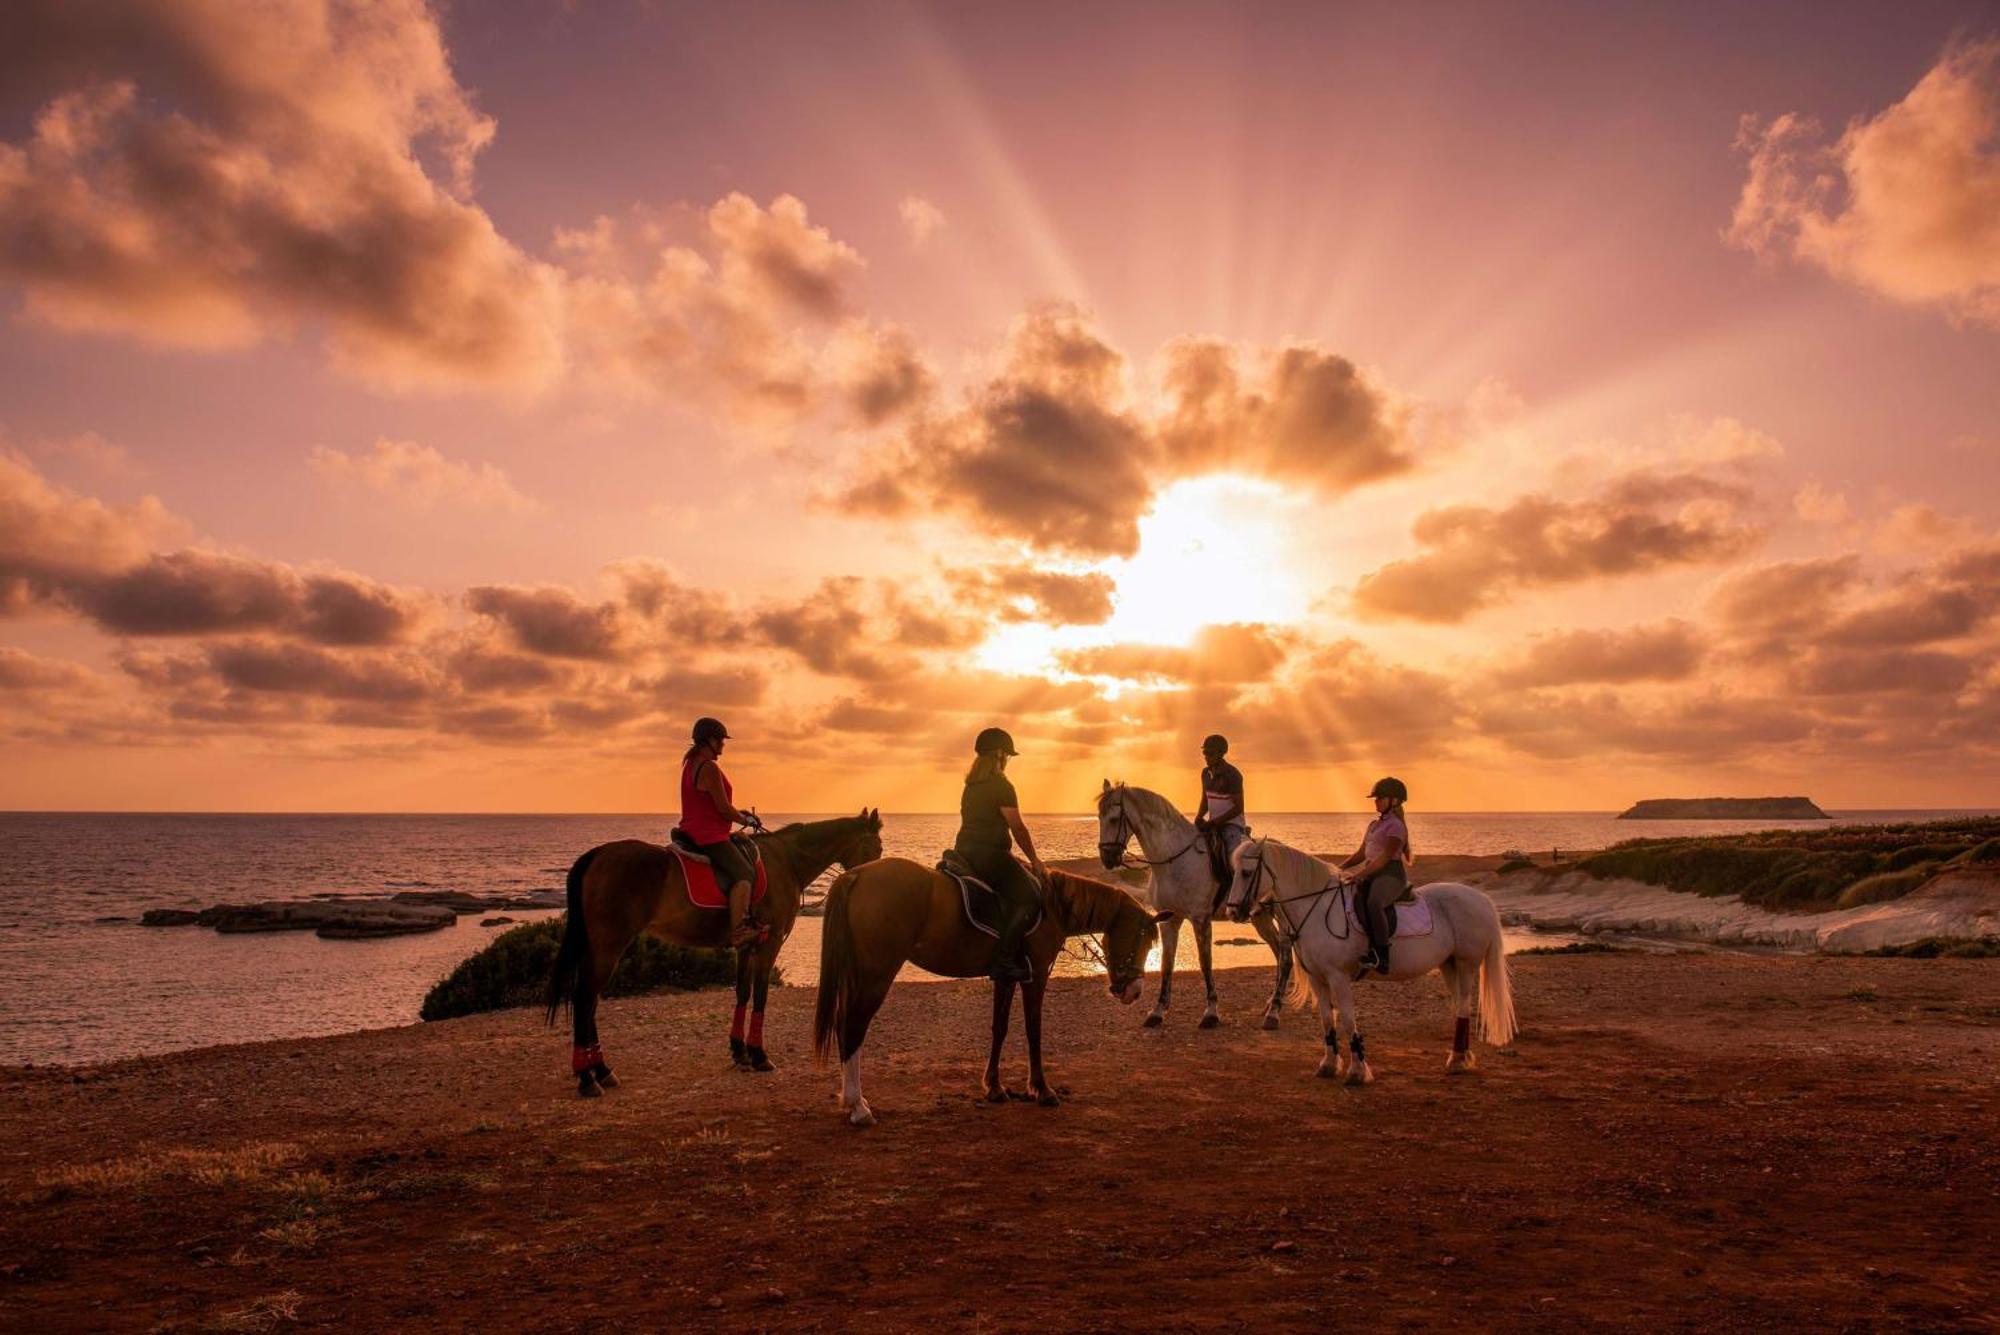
x: 620, y: 889
x: 895, y: 910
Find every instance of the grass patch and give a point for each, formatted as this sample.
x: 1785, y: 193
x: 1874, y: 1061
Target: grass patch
x: 1516, y: 864
x: 513, y: 970
x: 205, y: 1168
x: 1942, y: 947
x: 265, y: 1313
x: 1810, y: 869
x: 428, y: 1182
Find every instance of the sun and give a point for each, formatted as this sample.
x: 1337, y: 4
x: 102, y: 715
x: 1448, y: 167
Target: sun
x: 1213, y: 549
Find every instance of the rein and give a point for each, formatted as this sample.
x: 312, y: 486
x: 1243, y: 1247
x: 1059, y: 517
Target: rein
x: 1277, y: 901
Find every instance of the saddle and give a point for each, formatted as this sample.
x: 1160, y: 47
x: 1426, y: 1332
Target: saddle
x: 1410, y: 915
x: 1218, y: 863
x: 981, y: 901
x: 699, y: 872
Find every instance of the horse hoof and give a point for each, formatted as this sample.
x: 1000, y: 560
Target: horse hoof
x: 996, y: 1094
x: 862, y: 1115
x: 1270, y: 1022
x: 757, y: 1061
x: 1209, y: 1021
x: 605, y: 1077
x: 1154, y: 1021
x: 1459, y: 1063
x: 587, y: 1088
x: 1360, y: 1074
x: 1047, y: 1099
x: 1326, y: 1072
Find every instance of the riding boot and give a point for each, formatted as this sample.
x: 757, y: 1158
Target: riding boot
x: 1010, y: 959
x: 745, y: 930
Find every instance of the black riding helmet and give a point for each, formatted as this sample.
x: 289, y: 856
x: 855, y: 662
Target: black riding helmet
x: 994, y: 742
x: 1215, y: 742
x: 708, y: 730
x: 1392, y: 789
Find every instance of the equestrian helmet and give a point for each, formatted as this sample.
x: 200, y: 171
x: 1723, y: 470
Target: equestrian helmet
x: 1392, y: 789
x: 1215, y: 742
x: 994, y: 741
x: 708, y: 730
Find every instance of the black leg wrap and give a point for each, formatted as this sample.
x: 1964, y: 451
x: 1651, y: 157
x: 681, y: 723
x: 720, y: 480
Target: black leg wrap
x: 1355, y: 1045
x: 1333, y: 1038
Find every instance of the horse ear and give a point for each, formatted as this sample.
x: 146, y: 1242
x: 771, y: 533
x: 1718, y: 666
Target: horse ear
x: 1107, y: 785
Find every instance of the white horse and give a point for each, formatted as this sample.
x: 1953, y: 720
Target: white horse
x: 1452, y: 928
x: 1181, y: 886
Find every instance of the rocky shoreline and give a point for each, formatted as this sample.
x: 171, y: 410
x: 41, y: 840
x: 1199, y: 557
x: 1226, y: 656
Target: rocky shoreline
x: 355, y: 917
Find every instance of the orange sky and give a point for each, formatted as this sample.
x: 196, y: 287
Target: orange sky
x: 1552, y: 404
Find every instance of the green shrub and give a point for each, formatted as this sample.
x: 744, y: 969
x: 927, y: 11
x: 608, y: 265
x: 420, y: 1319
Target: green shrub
x: 513, y: 970
x: 1887, y: 885
x: 1576, y: 948
x: 1802, y: 868
x: 1948, y: 947
x: 1516, y: 864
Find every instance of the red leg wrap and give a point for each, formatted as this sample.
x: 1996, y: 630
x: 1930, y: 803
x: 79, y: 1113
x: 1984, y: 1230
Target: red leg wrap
x: 757, y: 1029
x: 736, y: 1025
x: 581, y: 1059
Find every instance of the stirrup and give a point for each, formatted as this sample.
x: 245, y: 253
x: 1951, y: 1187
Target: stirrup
x: 750, y: 932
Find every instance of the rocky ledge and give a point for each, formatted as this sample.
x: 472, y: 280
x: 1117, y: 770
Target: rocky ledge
x: 1724, y: 808
x: 351, y: 917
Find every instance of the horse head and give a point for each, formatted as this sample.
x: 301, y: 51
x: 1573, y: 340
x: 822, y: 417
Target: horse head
x: 1127, y: 942
x: 1114, y: 828
x: 864, y: 843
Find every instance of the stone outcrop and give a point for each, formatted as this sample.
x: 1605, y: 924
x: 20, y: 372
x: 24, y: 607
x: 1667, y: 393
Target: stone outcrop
x: 1724, y: 808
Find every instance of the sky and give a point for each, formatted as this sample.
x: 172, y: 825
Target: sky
x: 407, y: 407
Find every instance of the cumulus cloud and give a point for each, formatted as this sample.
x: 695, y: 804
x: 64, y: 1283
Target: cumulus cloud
x: 1473, y: 556
x: 1022, y: 592
x: 216, y: 174
x: 1296, y: 413
x: 1215, y: 655
x: 551, y: 620
x: 420, y: 477
x: 1785, y: 596
x: 1669, y: 651
x: 23, y: 671
x: 1905, y: 203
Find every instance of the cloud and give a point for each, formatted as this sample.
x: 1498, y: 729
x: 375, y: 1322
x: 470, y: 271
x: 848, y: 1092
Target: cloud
x: 1023, y: 592
x: 213, y: 175
x: 1872, y: 671
x: 1669, y: 651
x: 1215, y: 655
x: 1045, y: 452
x: 1342, y: 703
x: 420, y: 477
x: 879, y: 372
x: 551, y: 621
x: 1905, y: 203
x: 1784, y: 597
x: 1474, y: 556
x: 1299, y: 413
x: 23, y: 671
x: 52, y: 538
x: 922, y: 219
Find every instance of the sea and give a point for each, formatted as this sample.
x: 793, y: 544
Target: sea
x: 83, y: 982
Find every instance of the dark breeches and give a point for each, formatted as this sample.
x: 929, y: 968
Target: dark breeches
x: 731, y: 867
x: 1381, y: 890
x: 1013, y: 883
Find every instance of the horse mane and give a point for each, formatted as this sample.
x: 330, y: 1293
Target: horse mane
x: 1084, y: 903
x: 1143, y: 798
x: 1292, y: 863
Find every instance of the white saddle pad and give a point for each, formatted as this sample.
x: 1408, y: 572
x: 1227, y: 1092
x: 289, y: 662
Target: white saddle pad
x: 1412, y: 919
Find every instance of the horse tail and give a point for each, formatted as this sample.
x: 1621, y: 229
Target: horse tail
x: 1298, y: 992
x: 1496, y: 991
x: 575, y: 947
x: 837, y: 971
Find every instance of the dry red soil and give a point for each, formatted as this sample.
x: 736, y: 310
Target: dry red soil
x: 1699, y: 1142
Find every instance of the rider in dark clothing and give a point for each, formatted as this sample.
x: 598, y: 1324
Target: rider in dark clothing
x: 1220, y: 816
x: 989, y: 824
x: 1380, y: 872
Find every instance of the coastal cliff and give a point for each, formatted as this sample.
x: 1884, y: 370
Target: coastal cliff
x: 1724, y: 808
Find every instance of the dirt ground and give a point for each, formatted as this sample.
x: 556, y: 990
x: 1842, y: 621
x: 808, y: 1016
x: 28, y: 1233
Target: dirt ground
x: 1691, y: 1142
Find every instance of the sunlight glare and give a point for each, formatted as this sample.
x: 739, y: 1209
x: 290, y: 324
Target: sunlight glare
x: 1213, y: 549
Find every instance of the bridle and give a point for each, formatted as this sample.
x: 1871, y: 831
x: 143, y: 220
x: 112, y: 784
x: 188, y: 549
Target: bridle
x: 1094, y: 953
x: 1109, y: 848
x: 1282, y: 918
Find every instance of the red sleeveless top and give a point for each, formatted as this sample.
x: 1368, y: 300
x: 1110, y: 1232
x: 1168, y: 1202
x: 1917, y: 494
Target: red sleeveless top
x: 703, y: 821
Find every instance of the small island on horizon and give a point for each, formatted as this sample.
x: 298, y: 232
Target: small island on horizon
x: 1724, y: 808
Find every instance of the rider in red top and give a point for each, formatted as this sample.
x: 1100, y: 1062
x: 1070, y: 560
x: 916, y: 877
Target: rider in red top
x: 708, y: 812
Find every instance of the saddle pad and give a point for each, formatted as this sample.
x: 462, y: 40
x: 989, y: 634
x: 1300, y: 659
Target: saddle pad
x: 1409, y: 918
x: 982, y: 909
x: 699, y: 873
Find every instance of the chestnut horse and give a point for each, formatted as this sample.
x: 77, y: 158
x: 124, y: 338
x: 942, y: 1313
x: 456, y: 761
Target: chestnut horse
x: 895, y: 910
x: 620, y: 889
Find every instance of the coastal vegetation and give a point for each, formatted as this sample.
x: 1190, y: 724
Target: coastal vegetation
x: 1841, y: 867
x: 514, y: 968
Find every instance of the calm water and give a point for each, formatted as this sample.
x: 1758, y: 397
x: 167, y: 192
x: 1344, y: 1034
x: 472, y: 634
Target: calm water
x: 79, y: 988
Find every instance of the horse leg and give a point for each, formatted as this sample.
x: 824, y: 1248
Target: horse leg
x: 1465, y: 983
x: 1170, y: 939
x: 586, y: 1058
x: 1343, y: 999
x: 1003, y: 1008
x: 861, y: 1009
x: 753, y: 1046
x: 1329, y: 1060
x: 1204, y: 946
x: 1281, y: 951
x: 738, y: 1047
x: 1031, y: 1004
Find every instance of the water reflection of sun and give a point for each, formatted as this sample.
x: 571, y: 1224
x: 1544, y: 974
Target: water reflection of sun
x: 1215, y: 549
